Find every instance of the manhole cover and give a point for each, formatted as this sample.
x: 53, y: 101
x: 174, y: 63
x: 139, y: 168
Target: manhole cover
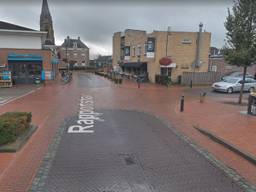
x: 129, y: 161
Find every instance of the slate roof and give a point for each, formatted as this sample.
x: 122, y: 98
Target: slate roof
x: 10, y: 26
x: 70, y: 42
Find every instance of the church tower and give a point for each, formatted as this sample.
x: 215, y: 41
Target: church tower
x: 46, y: 24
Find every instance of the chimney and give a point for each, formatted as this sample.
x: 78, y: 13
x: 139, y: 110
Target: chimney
x: 78, y: 38
x: 198, y: 47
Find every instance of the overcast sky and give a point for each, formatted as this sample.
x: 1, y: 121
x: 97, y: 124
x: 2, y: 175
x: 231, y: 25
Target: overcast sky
x: 95, y: 21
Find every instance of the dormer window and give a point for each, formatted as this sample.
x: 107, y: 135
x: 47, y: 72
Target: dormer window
x: 75, y: 45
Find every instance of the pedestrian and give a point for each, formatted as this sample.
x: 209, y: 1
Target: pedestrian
x: 138, y: 81
x: 255, y: 75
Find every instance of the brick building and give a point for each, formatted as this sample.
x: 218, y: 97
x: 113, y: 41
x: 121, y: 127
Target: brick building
x: 26, y: 52
x: 217, y: 63
x: 139, y: 52
x: 74, y: 52
x: 21, y: 52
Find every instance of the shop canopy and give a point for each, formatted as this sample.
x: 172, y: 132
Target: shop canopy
x: 134, y: 64
x: 24, y: 57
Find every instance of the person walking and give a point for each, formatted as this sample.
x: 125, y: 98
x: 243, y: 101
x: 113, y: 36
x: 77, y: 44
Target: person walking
x: 138, y: 81
x: 43, y: 77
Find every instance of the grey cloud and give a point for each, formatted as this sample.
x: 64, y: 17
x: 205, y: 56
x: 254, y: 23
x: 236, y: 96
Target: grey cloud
x: 96, y: 22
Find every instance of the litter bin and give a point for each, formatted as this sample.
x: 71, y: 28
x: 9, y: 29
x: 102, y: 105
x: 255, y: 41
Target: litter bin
x: 252, y: 104
x: 37, y: 80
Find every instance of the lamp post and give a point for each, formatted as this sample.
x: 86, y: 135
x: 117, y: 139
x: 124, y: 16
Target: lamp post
x: 66, y: 46
x: 167, y: 41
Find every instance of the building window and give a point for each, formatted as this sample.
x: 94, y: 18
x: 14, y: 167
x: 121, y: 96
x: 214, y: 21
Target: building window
x: 214, y: 68
x: 75, y: 54
x: 83, y: 54
x: 186, y: 41
x: 145, y: 49
x: 133, y: 51
x: 138, y: 50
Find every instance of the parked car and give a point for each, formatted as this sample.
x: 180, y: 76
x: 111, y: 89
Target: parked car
x: 230, y: 85
x: 237, y: 74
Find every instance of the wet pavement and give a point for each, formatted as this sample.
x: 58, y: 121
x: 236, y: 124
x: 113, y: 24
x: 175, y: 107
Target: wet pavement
x: 17, y: 91
x: 129, y: 151
x: 115, y: 142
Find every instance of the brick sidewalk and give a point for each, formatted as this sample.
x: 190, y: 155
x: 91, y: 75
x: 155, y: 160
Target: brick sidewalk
x: 18, y: 169
x: 223, y: 119
x: 51, y: 104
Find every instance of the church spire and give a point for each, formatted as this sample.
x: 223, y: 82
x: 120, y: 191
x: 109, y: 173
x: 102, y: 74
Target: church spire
x: 45, y: 12
x: 46, y: 23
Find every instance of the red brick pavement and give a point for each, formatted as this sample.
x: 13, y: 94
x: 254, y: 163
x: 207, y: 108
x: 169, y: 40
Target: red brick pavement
x: 48, y: 109
x: 222, y: 119
x: 51, y: 104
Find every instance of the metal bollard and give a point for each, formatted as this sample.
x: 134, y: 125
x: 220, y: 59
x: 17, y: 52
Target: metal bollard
x: 182, y: 103
x: 202, y: 97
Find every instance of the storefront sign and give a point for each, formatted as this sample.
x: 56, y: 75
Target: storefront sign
x: 86, y: 117
x: 48, y: 75
x: 151, y: 47
x: 127, y: 53
x: 150, y: 54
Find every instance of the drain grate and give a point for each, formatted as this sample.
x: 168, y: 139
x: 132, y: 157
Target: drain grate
x: 129, y: 159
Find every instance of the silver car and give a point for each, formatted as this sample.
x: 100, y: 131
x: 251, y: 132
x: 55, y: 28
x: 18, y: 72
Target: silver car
x: 231, y: 85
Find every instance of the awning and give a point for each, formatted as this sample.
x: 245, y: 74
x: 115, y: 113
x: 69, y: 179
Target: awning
x: 134, y: 64
x: 165, y: 61
x: 24, y: 57
x: 171, y: 65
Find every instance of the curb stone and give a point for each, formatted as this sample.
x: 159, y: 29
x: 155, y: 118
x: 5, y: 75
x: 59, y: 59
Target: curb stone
x: 44, y: 169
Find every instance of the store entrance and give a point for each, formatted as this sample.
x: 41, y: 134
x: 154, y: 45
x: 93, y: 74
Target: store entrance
x: 25, y: 72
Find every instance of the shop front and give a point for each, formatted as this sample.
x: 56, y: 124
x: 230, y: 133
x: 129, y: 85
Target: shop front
x: 25, y: 68
x: 135, y: 68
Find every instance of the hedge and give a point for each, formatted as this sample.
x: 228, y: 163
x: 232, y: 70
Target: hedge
x: 12, y: 125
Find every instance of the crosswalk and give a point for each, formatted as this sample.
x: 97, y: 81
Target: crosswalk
x: 4, y: 99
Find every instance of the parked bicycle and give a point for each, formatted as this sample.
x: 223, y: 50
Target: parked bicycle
x: 66, y: 76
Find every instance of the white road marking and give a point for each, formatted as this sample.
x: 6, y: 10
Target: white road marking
x: 16, y: 98
x: 86, y: 116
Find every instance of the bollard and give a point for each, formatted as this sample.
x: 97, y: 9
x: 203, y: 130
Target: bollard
x: 202, y: 97
x: 182, y: 103
x: 191, y: 84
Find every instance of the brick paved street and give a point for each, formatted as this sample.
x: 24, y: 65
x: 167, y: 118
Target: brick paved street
x: 131, y: 151
x: 52, y: 104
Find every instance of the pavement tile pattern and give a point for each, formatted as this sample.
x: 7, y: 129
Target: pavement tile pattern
x: 142, y: 155
x: 53, y: 103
